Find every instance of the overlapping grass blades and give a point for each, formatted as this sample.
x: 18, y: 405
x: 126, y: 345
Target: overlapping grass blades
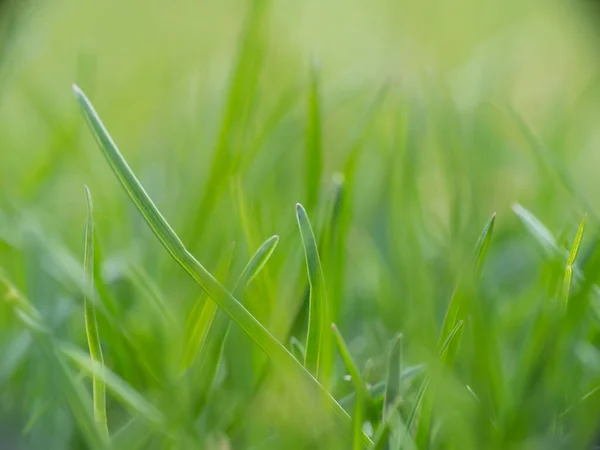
x: 169, y: 239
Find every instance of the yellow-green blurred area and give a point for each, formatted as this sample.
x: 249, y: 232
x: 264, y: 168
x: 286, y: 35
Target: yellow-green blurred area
x: 402, y: 126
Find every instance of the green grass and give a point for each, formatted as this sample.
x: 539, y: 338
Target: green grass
x: 443, y: 174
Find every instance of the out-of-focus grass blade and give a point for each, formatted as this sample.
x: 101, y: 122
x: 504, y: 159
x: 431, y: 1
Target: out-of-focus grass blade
x: 454, y: 308
x: 363, y: 395
x: 297, y: 349
x: 546, y: 157
x: 392, y: 381
x: 165, y: 234
x: 132, y: 436
x: 536, y: 229
x: 571, y: 261
x: 316, y: 340
x: 314, y: 157
x: 483, y: 243
x: 91, y: 324
x: 377, y: 391
x: 76, y: 396
x: 119, y: 388
x: 423, y: 434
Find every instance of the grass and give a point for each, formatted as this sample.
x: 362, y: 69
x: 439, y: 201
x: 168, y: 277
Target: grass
x: 445, y: 223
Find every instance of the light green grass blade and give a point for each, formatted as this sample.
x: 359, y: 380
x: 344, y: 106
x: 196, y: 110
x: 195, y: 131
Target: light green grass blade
x: 258, y: 260
x: 91, y: 324
x: 165, y: 234
x: 483, y: 243
x: 362, y: 393
x: 392, y: 381
x: 119, y: 388
x: 571, y: 262
x: 211, y: 353
x: 316, y: 339
x: 314, y: 152
x: 536, y: 229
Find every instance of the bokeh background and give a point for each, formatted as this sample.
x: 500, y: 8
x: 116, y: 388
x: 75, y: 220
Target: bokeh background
x: 435, y: 114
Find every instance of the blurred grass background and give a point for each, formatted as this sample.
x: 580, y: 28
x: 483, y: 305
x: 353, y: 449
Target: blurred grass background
x: 209, y: 103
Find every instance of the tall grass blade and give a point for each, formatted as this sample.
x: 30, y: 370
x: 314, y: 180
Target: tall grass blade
x: 91, y: 323
x: 165, y: 234
x: 316, y: 340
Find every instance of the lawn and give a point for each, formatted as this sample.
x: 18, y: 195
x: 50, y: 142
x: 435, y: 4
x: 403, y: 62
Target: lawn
x: 248, y: 224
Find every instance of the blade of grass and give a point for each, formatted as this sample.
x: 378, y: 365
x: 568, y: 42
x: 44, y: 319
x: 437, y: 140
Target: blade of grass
x: 211, y: 354
x: 363, y: 395
x: 314, y: 157
x: 73, y: 390
x: 165, y: 234
x: 91, y: 324
x: 316, y: 340
x: 571, y: 262
x: 393, y: 377
x: 453, y: 312
x: 119, y: 388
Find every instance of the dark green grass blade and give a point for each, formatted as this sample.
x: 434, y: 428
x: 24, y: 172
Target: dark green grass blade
x: 164, y: 233
x: 363, y: 395
x: 571, y: 262
x: 91, y: 324
x: 316, y: 340
x: 314, y: 157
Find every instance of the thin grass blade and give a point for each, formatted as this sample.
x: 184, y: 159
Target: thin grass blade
x: 362, y: 393
x: 91, y: 323
x: 316, y: 339
x: 571, y: 262
x: 119, y: 388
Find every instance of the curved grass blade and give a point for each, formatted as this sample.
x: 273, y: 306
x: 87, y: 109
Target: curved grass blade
x: 316, y: 339
x: 571, y: 262
x: 91, y: 323
x: 256, y: 263
x: 119, y: 388
x: 167, y: 237
x: 362, y: 393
